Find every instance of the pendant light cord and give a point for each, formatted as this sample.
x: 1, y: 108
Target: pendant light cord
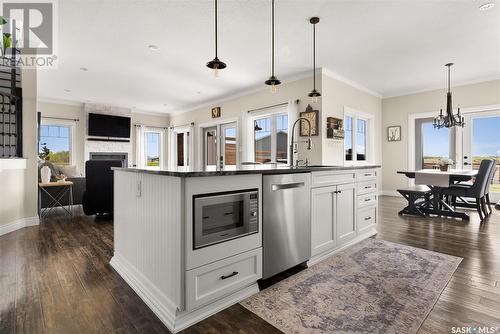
x: 449, y: 79
x: 272, y: 39
x: 314, y: 56
x: 216, y: 28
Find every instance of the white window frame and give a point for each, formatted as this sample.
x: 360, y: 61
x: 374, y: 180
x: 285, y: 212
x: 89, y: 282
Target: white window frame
x: 173, y: 152
x: 369, y: 136
x: 273, y: 114
x: 220, y: 126
x: 160, y: 152
x: 68, y: 123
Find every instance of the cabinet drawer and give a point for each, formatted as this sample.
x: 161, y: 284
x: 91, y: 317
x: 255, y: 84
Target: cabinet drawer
x: 367, y: 217
x: 366, y: 175
x: 322, y: 179
x: 215, y: 280
x: 367, y: 187
x: 367, y: 200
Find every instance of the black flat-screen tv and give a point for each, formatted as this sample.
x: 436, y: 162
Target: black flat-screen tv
x: 109, y: 126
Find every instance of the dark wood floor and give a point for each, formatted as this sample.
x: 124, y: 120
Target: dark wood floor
x: 55, y: 278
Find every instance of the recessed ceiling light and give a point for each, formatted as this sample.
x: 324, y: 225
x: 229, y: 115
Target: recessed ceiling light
x: 164, y: 104
x: 67, y: 90
x: 84, y: 69
x: 198, y: 92
x: 153, y: 47
x: 487, y: 6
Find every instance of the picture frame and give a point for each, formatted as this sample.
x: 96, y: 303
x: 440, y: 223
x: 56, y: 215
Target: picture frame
x: 216, y: 112
x: 394, y: 133
x: 313, y: 117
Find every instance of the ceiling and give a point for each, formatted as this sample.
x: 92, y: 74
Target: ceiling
x: 390, y: 47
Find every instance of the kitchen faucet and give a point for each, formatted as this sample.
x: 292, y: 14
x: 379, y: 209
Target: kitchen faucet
x: 293, y: 142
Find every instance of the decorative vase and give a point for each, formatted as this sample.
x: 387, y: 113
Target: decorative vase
x: 45, y: 174
x: 444, y: 168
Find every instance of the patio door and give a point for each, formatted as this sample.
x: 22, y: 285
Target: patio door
x: 481, y: 139
x: 220, y: 145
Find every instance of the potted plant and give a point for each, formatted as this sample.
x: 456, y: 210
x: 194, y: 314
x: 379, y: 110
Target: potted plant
x: 444, y: 164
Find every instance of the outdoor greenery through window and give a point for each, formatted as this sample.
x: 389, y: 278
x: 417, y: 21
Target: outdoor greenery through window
x: 271, y: 138
x: 55, y: 144
x: 153, y: 148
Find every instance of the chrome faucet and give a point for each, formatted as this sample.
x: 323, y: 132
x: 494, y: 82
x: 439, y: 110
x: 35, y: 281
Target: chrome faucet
x: 293, y: 142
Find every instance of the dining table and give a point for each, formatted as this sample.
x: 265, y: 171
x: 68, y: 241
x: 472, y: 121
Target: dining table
x: 435, y: 179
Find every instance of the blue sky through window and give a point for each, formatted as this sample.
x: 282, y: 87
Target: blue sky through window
x: 57, y: 138
x: 436, y: 142
x: 486, y: 137
x: 153, y: 144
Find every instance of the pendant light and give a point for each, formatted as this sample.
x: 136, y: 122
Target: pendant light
x: 449, y: 120
x: 314, y: 94
x: 273, y: 81
x: 216, y: 64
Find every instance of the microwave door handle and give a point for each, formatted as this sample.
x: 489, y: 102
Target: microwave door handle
x: 276, y: 187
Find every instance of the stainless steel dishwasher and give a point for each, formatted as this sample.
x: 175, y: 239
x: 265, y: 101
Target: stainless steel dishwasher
x: 286, y: 221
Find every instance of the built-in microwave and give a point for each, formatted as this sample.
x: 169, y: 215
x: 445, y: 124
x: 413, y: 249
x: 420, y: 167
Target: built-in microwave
x: 218, y: 217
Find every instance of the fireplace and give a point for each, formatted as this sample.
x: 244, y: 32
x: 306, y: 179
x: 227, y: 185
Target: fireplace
x: 123, y: 157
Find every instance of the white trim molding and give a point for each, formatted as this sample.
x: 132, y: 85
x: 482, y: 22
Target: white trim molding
x: 18, y: 224
x: 331, y: 74
x: 12, y: 163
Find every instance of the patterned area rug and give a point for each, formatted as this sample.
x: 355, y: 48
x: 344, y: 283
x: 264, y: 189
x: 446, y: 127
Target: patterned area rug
x: 375, y: 286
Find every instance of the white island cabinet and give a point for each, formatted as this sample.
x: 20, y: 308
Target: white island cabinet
x: 181, y: 243
x: 343, y: 210
x: 155, y: 252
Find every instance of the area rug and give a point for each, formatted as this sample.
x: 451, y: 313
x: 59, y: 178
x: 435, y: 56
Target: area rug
x: 375, y: 286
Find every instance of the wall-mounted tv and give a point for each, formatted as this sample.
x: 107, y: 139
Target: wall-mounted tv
x: 109, y: 126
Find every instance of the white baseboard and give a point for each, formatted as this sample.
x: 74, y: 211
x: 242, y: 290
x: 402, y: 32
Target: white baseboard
x: 18, y: 224
x: 163, y: 307
x: 392, y: 193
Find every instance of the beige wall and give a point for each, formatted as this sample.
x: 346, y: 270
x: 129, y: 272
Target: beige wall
x: 18, y: 194
x: 49, y: 109
x: 336, y: 96
x: 237, y: 108
x: 397, y: 109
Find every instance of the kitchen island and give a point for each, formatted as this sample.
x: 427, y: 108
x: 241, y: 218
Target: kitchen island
x: 190, y: 243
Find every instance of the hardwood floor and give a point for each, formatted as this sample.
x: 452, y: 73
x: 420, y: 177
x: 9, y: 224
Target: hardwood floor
x: 56, y: 278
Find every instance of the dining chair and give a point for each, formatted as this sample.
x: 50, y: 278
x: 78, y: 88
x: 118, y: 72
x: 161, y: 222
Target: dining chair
x: 490, y: 181
x: 477, y: 190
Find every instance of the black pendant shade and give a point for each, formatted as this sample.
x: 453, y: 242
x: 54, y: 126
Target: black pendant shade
x: 216, y: 64
x: 449, y: 120
x: 314, y: 94
x: 273, y: 81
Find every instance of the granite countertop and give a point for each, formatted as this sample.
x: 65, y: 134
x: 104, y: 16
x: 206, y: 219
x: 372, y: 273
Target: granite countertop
x: 243, y: 169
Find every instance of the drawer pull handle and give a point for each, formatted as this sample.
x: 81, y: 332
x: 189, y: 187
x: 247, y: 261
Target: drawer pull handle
x: 368, y: 199
x: 368, y: 218
x: 367, y: 174
x: 234, y: 273
x: 368, y: 187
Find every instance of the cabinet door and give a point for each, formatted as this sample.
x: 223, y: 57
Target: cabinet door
x: 322, y: 219
x: 345, y: 213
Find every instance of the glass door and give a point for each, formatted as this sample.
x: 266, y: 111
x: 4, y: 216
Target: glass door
x: 220, y: 145
x: 229, y: 144
x: 481, y: 139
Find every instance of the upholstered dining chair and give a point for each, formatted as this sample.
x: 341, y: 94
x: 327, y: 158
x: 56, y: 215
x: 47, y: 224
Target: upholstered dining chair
x: 490, y: 181
x: 477, y: 190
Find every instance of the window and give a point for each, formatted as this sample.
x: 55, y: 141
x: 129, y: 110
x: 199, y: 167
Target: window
x: 357, y: 136
x: 180, y: 152
x: 271, y: 138
x: 55, y: 144
x: 153, y: 149
x: 435, y: 145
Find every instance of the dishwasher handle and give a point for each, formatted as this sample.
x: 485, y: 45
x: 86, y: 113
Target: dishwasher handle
x: 283, y: 186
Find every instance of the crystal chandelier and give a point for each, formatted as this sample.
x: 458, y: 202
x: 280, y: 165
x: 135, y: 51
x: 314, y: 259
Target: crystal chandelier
x: 449, y: 120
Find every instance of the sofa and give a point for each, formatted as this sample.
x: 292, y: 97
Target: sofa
x: 78, y: 185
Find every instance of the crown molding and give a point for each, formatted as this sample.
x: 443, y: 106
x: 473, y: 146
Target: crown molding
x: 60, y: 101
x: 333, y: 75
x: 443, y: 87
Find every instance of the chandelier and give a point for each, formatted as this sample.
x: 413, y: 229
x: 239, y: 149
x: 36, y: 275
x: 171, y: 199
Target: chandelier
x: 449, y: 120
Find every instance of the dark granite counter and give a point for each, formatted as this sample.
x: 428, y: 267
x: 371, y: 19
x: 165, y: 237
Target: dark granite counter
x: 244, y: 169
